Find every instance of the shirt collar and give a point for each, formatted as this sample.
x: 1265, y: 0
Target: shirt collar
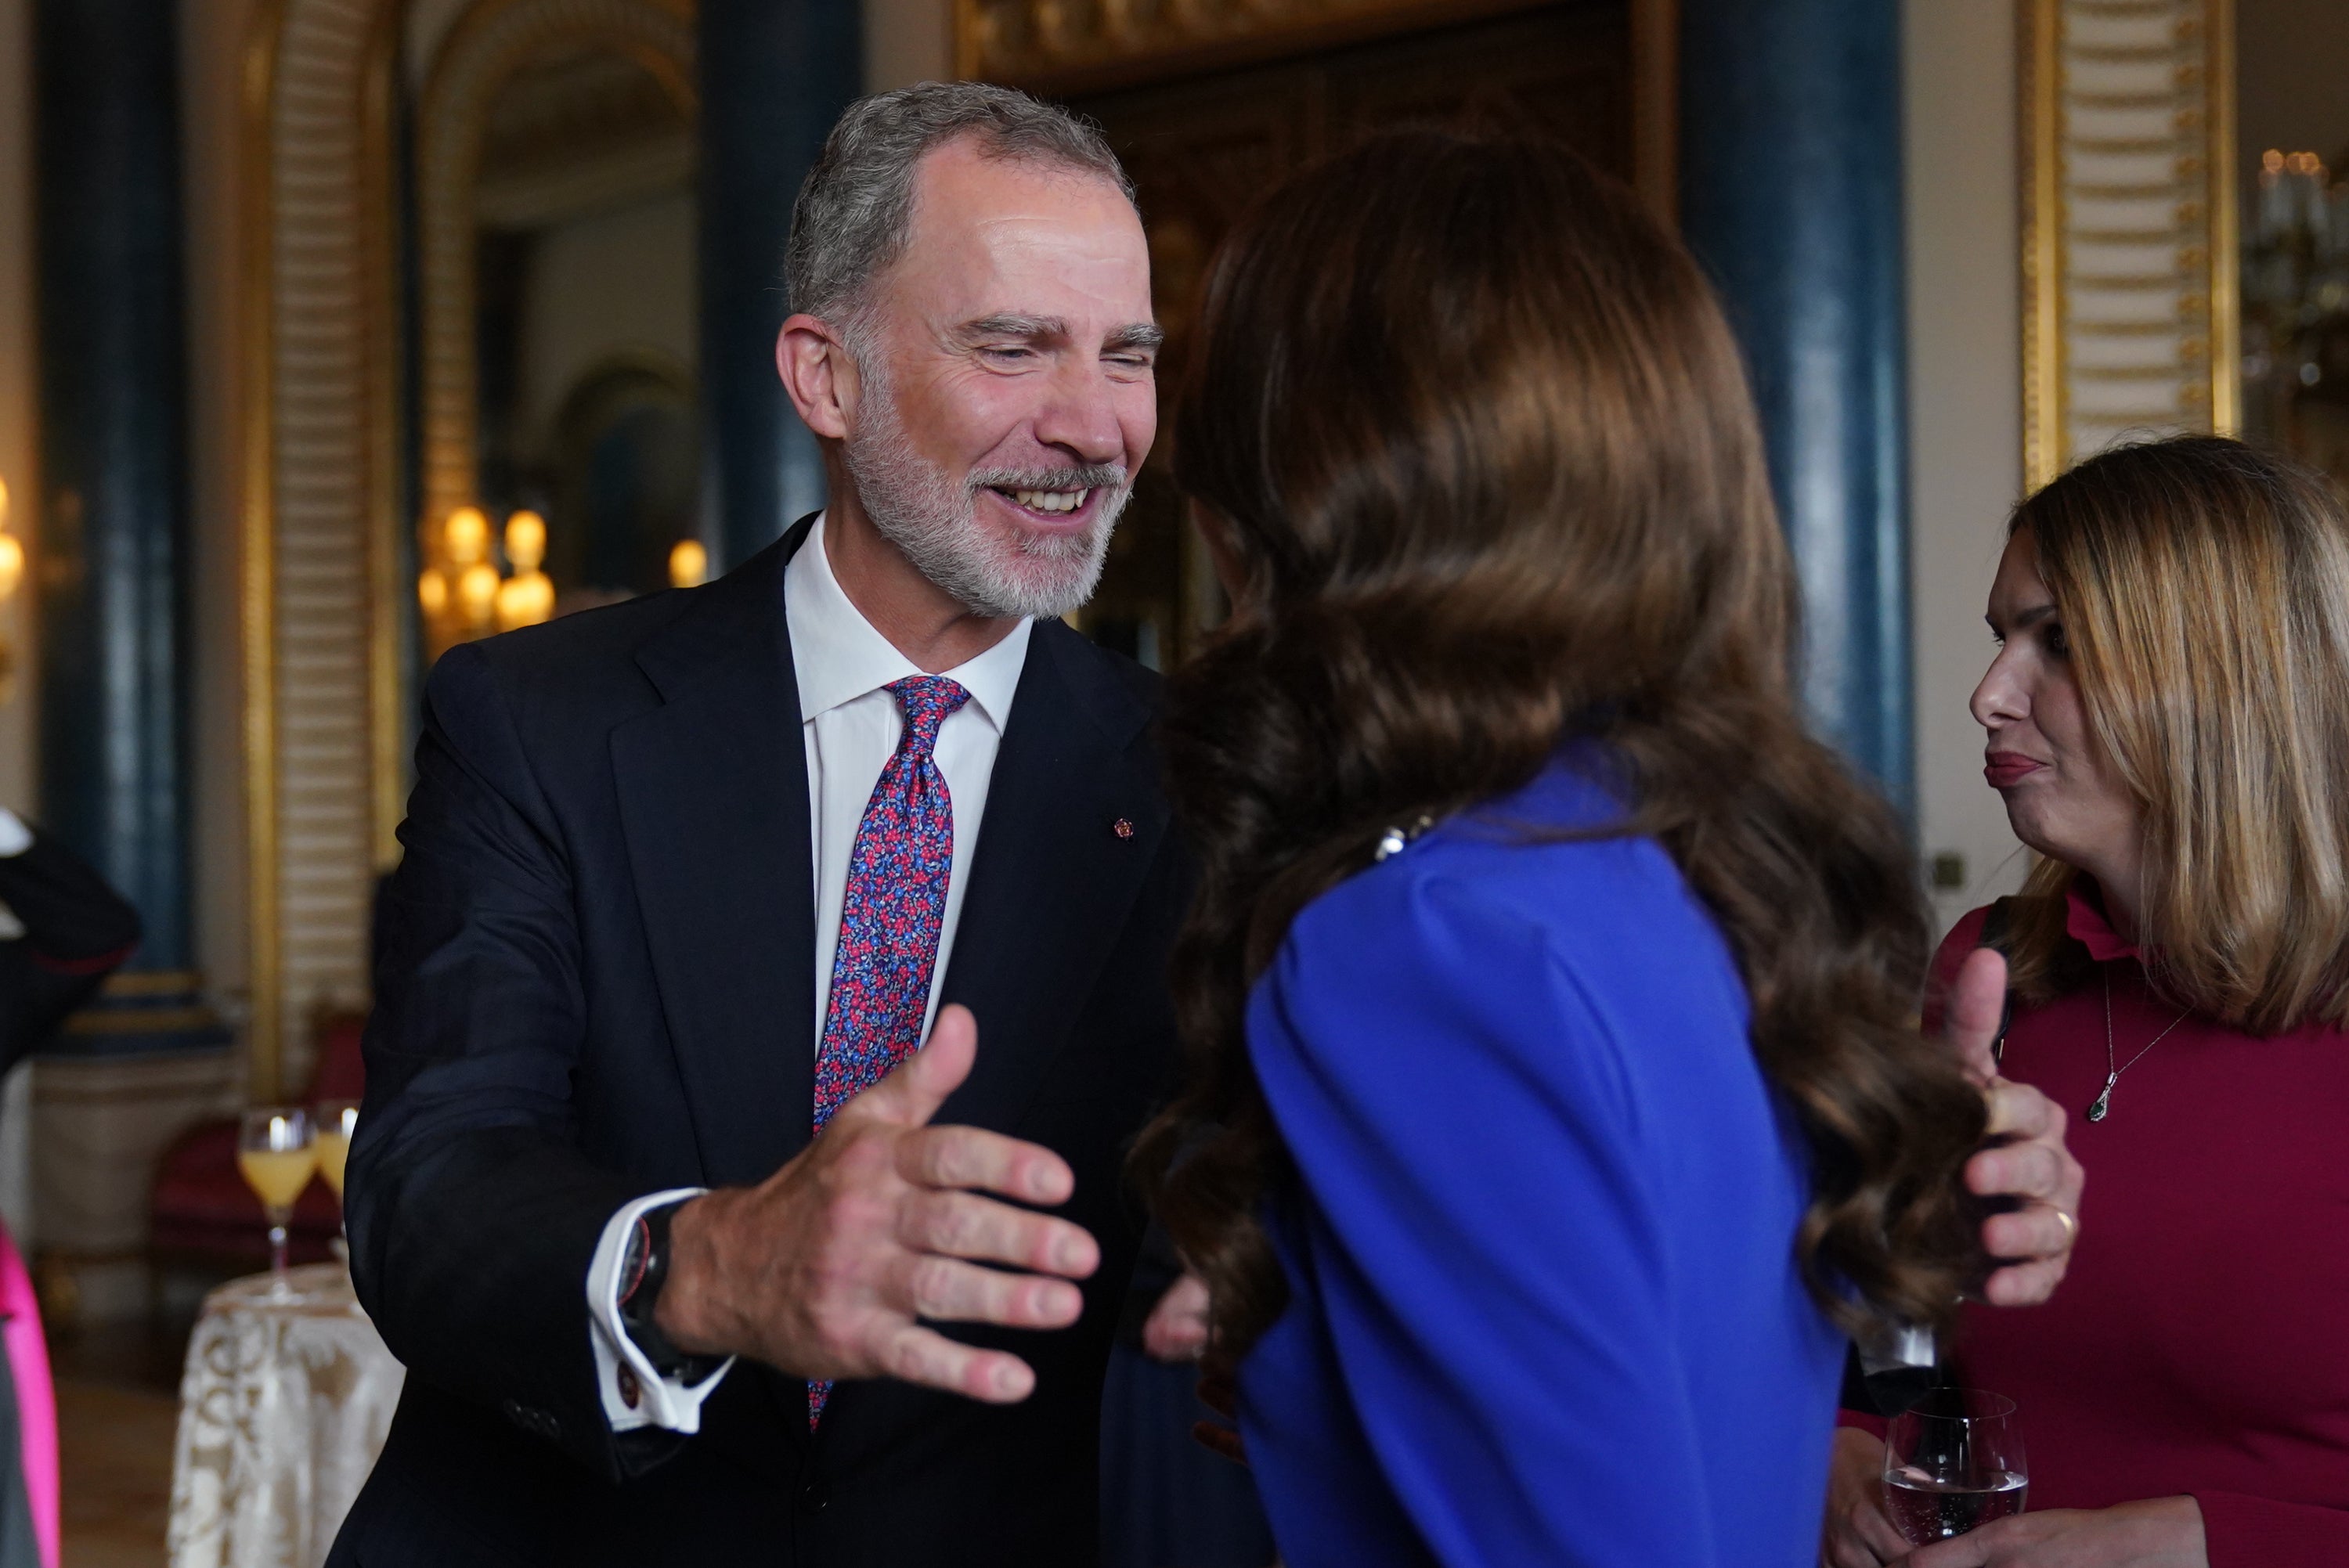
x: 2086, y: 923
x: 839, y: 657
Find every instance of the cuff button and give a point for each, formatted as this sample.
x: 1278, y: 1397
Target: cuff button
x: 631, y: 1392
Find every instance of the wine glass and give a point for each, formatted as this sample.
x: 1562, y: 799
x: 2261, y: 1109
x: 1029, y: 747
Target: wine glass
x: 276, y: 1152
x: 1952, y: 1463
x: 338, y: 1120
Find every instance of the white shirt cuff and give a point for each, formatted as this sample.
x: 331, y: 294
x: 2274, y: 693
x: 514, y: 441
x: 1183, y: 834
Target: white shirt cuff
x: 634, y: 1394
x: 14, y: 837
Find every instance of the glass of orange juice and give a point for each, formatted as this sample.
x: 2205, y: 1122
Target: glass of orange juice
x: 338, y: 1120
x: 277, y: 1153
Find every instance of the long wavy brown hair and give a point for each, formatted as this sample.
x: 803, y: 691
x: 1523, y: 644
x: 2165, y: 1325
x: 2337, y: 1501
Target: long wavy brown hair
x: 1477, y: 444
x: 2203, y: 589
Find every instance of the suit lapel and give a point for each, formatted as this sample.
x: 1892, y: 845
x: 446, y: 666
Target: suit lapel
x: 713, y: 798
x: 1052, y: 879
x: 713, y: 794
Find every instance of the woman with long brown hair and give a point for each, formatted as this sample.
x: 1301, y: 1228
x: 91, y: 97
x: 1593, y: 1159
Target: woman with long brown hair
x: 2167, y: 717
x: 1559, y: 1097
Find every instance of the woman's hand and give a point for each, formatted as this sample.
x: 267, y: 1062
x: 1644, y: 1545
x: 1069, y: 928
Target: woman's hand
x: 1177, y: 1331
x: 1859, y: 1533
x: 2164, y: 1532
x: 1177, y: 1328
x: 2027, y: 1160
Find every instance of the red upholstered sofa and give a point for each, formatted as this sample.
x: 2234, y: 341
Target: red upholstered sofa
x: 201, y: 1213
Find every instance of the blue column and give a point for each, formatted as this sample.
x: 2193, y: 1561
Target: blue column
x: 114, y: 525
x: 1790, y: 194
x: 775, y: 73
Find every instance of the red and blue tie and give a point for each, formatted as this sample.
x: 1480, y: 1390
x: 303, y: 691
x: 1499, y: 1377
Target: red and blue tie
x: 890, y: 917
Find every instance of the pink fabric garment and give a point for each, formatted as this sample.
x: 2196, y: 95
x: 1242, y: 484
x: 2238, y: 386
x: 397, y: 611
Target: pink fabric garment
x: 36, y: 1398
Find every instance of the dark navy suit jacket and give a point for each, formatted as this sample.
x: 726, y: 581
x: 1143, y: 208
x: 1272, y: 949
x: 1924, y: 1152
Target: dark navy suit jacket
x: 598, y: 981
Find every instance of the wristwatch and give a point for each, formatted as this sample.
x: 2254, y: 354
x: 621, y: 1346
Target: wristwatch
x: 643, y: 1269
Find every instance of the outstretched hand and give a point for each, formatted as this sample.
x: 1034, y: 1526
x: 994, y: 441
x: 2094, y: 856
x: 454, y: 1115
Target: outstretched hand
x: 825, y: 1268
x: 2026, y: 1159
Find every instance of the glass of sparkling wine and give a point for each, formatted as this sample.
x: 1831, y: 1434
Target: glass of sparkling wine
x: 276, y: 1152
x: 1954, y: 1463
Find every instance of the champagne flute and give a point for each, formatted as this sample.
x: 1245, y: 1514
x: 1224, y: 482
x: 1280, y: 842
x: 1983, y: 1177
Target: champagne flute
x: 1953, y: 1462
x: 276, y: 1152
x: 338, y: 1120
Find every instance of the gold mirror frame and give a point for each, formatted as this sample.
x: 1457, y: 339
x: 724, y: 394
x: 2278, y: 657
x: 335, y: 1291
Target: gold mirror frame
x: 321, y: 591
x: 2131, y: 314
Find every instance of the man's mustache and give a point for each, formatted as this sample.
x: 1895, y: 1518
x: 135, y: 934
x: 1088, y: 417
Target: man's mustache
x: 1095, y: 476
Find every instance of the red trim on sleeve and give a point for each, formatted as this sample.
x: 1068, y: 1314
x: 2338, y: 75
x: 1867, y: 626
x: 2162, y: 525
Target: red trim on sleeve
x: 80, y: 968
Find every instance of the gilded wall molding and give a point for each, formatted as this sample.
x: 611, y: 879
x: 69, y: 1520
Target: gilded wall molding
x: 319, y: 486
x: 322, y: 595
x: 1065, y: 48
x: 2131, y: 315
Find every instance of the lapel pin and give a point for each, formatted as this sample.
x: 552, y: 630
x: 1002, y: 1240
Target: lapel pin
x: 1122, y: 827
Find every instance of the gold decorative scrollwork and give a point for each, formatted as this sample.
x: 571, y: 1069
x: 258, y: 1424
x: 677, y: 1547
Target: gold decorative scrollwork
x: 1073, y: 45
x: 2130, y: 313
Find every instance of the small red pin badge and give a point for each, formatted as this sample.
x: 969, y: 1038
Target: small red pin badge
x: 1122, y: 827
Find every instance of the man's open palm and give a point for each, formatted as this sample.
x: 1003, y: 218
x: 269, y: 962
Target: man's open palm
x: 826, y: 1269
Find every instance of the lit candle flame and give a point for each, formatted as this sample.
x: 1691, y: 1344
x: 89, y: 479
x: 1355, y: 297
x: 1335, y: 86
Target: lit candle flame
x: 526, y: 541
x: 477, y: 591
x: 466, y: 535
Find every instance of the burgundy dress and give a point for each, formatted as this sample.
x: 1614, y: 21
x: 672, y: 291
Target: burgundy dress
x: 2200, y: 1342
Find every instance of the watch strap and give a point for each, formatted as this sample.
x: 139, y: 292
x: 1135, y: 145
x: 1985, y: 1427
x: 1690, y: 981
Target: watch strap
x: 643, y: 1270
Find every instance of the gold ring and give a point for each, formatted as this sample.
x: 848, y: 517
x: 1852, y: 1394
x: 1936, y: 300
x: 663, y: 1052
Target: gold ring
x: 2070, y: 1227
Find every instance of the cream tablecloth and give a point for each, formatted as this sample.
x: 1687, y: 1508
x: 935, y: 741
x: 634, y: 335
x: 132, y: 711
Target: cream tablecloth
x: 283, y: 1409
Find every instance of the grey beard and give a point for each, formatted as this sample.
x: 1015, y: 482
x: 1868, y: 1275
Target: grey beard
x: 934, y: 522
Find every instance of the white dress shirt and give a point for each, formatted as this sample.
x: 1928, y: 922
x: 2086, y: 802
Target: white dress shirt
x: 851, y: 725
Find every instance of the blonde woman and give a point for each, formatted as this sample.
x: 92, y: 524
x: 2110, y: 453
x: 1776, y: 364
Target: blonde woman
x: 2169, y: 723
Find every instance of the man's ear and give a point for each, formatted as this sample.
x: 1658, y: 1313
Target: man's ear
x: 820, y: 374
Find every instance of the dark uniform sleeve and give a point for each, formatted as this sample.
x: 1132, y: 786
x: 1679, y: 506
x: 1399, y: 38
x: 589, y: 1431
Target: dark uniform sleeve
x: 77, y: 931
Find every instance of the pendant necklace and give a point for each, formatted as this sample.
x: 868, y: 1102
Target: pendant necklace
x: 2102, y: 1106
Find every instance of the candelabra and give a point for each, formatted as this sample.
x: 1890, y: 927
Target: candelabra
x: 463, y: 596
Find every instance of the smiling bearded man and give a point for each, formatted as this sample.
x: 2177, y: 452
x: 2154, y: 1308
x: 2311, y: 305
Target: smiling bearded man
x: 1014, y: 571
x: 691, y: 1254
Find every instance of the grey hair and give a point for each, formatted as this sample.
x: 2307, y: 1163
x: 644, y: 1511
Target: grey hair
x: 855, y: 209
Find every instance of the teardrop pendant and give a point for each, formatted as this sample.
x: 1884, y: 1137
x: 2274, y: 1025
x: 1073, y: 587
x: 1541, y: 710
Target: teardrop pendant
x: 2102, y: 1104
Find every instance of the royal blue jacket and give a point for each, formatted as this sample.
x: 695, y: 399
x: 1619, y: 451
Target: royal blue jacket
x: 1541, y: 1249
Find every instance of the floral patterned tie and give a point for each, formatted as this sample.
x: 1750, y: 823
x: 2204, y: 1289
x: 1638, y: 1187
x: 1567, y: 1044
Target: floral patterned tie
x: 889, y: 919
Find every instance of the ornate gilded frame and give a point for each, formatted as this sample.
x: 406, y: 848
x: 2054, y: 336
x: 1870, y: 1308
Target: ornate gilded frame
x: 1063, y: 48
x: 2131, y: 310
